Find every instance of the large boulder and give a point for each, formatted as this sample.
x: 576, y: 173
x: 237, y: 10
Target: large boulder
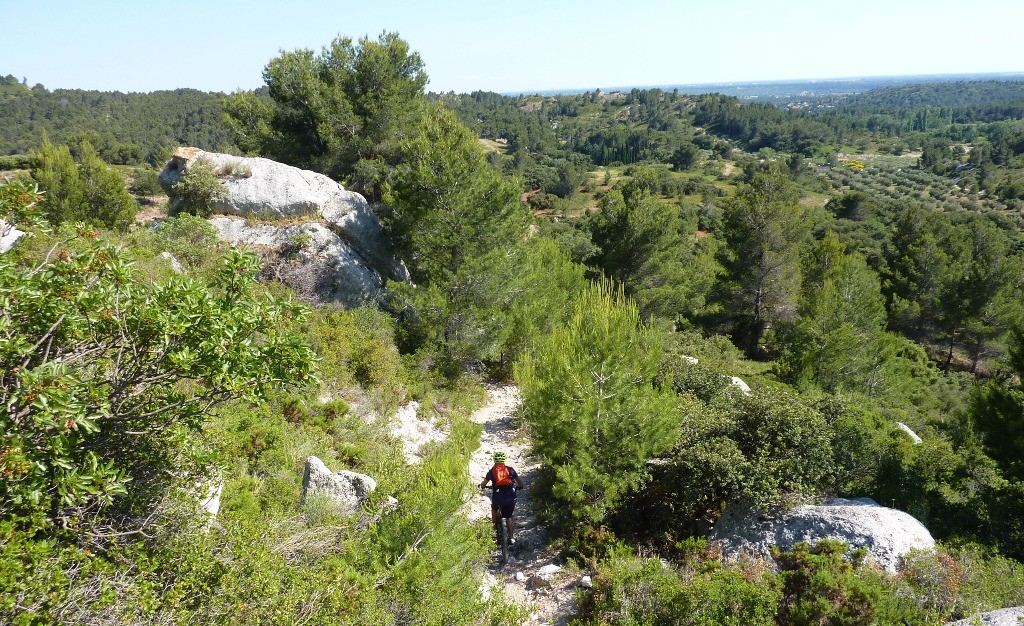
x: 349, y: 247
x: 1013, y: 616
x: 310, y: 258
x: 344, y: 489
x: 887, y: 534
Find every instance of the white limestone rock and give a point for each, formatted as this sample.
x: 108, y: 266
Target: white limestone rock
x: 913, y: 436
x: 173, y: 260
x: 270, y: 190
x: 1013, y: 616
x: 887, y: 534
x: 414, y: 433
x: 9, y: 235
x: 347, y: 490
x: 737, y: 382
x: 210, y: 501
x: 311, y: 259
x: 548, y: 571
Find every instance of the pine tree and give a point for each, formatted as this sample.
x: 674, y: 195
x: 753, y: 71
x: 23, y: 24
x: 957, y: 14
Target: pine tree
x: 590, y: 403
x: 85, y: 190
x: 839, y: 340
x: 765, y: 228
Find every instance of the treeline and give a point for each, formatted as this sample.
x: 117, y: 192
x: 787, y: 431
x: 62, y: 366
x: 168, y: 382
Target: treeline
x: 125, y: 128
x: 548, y: 137
x: 947, y: 95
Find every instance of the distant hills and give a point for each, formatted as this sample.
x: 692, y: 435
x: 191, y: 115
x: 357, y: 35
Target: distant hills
x: 130, y: 128
x: 787, y: 90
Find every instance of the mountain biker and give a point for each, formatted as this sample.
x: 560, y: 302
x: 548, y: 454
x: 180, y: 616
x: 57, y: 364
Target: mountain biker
x: 505, y: 481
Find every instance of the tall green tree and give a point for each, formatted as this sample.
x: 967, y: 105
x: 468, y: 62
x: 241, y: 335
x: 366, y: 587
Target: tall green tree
x: 340, y: 112
x: 457, y: 222
x: 918, y: 270
x: 839, y: 340
x: 973, y: 309
x: 649, y: 248
x: 446, y: 203
x: 766, y: 229
x: 591, y: 405
x: 684, y: 157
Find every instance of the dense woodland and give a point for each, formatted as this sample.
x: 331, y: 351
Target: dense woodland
x: 858, y: 263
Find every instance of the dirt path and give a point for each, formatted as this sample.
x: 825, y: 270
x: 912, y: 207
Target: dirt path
x: 550, y: 597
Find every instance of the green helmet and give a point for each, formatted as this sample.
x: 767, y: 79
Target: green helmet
x: 499, y: 457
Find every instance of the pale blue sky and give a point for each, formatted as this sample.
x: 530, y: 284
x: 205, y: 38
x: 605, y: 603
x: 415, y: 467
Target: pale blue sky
x: 511, y: 46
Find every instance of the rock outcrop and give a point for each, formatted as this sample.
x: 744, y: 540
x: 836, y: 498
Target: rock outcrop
x: 321, y: 238
x: 310, y: 258
x: 887, y: 534
x: 1013, y: 616
x: 344, y: 489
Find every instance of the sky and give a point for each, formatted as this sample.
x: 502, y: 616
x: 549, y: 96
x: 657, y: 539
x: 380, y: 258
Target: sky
x: 510, y: 46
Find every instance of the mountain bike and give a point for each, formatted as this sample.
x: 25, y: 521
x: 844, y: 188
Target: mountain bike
x: 503, y: 539
x: 501, y: 534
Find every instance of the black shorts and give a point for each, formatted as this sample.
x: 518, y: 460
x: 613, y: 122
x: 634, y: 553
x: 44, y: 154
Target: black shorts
x: 505, y: 502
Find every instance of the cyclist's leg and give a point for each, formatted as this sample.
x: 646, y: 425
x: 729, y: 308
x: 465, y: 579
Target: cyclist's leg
x: 495, y: 516
x: 507, y: 509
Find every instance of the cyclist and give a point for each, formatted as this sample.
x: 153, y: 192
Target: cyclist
x: 504, y: 483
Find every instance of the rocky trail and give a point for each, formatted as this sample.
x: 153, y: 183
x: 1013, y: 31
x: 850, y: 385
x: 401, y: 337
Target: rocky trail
x: 533, y: 577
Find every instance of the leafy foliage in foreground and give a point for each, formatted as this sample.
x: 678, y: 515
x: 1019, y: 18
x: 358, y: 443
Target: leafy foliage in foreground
x: 105, y: 375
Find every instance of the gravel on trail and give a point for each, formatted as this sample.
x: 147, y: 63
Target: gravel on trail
x: 551, y: 603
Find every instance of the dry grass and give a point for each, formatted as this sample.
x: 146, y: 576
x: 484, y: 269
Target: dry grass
x: 814, y: 201
x: 491, y: 145
x: 156, y: 209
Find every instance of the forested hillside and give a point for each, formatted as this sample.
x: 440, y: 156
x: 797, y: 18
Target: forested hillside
x: 126, y: 128
x: 951, y: 94
x: 707, y: 306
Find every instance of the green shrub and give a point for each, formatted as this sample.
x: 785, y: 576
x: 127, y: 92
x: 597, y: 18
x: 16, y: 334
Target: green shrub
x: 190, y: 238
x: 83, y: 189
x: 760, y: 449
x: 629, y: 591
x: 197, y: 191
x: 107, y: 378
x: 821, y: 586
x: 145, y: 182
x: 234, y: 167
x: 357, y: 348
x: 17, y: 162
x: 960, y: 581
